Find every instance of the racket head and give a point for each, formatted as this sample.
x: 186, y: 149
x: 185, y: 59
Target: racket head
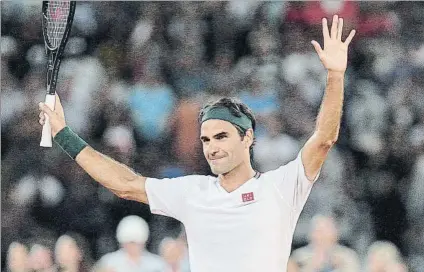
x: 56, y: 22
x: 57, y: 18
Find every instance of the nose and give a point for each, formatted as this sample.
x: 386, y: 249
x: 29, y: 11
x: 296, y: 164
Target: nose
x: 212, y: 149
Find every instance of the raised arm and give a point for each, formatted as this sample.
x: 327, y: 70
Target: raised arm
x: 115, y: 176
x: 334, y: 59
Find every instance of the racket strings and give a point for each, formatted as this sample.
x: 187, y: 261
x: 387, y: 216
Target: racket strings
x: 56, y: 18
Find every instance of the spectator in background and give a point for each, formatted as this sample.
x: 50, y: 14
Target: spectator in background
x: 384, y: 256
x: 186, y: 32
x: 221, y: 73
x: 12, y: 97
x: 150, y: 90
x: 311, y: 12
x: 413, y: 238
x: 132, y: 234
x: 292, y: 266
x: 262, y: 99
x: 274, y: 147
x: 72, y: 253
x: 367, y: 117
x: 41, y: 257
x: 324, y: 253
x: 80, y: 80
x: 121, y: 142
x: 17, y: 258
x: 185, y: 126
x: 175, y: 254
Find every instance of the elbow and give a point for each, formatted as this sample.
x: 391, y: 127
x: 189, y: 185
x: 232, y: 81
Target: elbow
x: 123, y: 195
x: 331, y: 142
x: 325, y: 146
x: 326, y: 142
x: 131, y: 190
x: 120, y: 193
x: 126, y: 193
x: 122, y: 190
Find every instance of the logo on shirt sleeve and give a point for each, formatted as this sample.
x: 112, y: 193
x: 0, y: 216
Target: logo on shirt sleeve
x: 246, y: 197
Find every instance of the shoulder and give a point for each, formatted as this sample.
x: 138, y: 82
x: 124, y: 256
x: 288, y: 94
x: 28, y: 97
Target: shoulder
x: 301, y: 254
x: 189, y: 180
x: 110, y: 258
x: 153, y: 259
x: 198, y: 183
x: 345, y: 251
x: 198, y: 178
x: 114, y: 254
x: 151, y: 256
x: 289, y: 167
x: 277, y: 173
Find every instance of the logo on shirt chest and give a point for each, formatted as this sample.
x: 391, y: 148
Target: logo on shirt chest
x: 246, y: 197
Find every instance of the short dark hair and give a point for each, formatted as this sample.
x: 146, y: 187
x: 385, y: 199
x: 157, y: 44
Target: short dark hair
x: 237, y: 108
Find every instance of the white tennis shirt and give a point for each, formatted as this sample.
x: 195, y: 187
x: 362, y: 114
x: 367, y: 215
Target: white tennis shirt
x: 247, y: 230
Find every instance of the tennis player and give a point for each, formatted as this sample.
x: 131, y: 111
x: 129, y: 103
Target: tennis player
x: 240, y: 220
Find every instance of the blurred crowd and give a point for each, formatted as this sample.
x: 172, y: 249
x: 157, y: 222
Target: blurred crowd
x: 133, y: 79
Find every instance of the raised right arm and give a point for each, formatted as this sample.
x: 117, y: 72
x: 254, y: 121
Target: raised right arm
x: 118, y: 178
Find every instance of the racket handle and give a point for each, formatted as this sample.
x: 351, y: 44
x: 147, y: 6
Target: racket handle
x: 46, y: 135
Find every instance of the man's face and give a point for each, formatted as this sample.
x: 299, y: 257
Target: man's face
x: 223, y: 147
x: 172, y: 251
x: 324, y: 232
x: 67, y: 252
x: 133, y: 248
x: 18, y: 258
x: 40, y: 258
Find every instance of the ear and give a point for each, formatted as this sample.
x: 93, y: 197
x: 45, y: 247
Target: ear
x: 248, y: 138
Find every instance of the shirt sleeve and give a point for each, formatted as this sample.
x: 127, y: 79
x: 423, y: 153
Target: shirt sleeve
x: 168, y: 196
x: 292, y: 184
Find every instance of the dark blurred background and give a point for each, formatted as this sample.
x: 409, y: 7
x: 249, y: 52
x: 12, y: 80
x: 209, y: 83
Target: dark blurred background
x: 136, y: 73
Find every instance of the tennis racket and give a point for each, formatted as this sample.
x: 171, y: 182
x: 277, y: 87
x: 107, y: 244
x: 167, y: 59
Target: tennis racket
x: 57, y: 21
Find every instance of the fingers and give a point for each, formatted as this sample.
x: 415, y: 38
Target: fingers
x: 317, y: 48
x: 45, y: 113
x: 325, y: 29
x: 350, y: 37
x: 42, y: 119
x: 340, y: 29
x: 334, y: 26
x: 336, y: 30
x: 55, y: 116
x: 45, y: 109
x: 58, y: 104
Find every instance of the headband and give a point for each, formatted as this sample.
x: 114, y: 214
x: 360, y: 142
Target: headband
x: 223, y: 113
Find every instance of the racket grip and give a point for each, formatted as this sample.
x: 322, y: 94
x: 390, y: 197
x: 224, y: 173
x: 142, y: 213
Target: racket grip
x: 46, y: 134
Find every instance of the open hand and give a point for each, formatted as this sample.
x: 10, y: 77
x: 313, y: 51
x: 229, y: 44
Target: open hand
x: 334, y: 54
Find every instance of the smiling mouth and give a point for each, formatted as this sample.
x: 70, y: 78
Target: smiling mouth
x: 215, y: 159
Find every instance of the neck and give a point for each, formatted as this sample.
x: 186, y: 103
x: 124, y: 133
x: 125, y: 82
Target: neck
x: 236, y: 177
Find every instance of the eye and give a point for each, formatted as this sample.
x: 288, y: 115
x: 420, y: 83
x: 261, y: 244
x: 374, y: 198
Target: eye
x: 220, y: 137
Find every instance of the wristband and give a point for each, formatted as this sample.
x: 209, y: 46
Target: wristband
x: 70, y: 142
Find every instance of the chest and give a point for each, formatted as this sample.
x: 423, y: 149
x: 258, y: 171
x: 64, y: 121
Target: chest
x: 225, y: 217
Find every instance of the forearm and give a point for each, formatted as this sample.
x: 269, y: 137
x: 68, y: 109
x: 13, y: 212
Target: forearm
x: 329, y: 116
x: 115, y: 176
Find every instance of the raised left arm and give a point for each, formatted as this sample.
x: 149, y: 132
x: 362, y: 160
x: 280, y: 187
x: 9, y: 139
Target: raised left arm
x: 334, y: 59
